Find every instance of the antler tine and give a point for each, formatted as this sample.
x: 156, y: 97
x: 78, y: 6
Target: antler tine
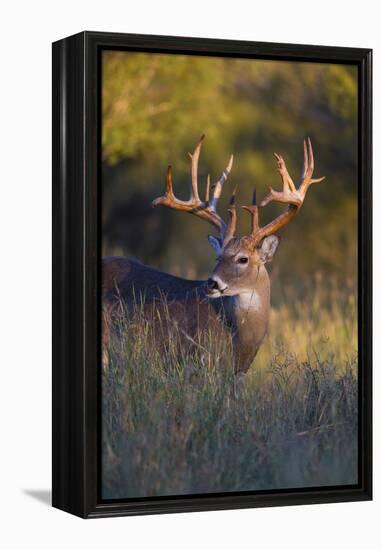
x: 288, y: 184
x: 195, y: 157
x: 290, y: 195
x: 168, y: 182
x: 309, y: 165
x: 217, y: 187
x: 253, y: 209
x: 232, y: 224
x: 305, y: 162
x: 207, y: 192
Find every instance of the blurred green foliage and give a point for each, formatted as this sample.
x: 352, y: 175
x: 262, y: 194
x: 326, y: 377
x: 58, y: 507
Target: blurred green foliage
x: 156, y: 106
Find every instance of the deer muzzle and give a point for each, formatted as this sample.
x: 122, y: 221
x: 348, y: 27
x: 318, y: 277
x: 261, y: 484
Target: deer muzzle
x: 215, y: 286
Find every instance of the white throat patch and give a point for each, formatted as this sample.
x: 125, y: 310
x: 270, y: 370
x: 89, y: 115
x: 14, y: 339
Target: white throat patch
x: 249, y: 301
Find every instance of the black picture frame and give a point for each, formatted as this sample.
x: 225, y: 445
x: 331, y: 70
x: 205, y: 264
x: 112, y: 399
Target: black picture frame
x: 76, y: 277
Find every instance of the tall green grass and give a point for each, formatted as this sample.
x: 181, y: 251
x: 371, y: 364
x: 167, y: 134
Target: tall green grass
x: 178, y: 421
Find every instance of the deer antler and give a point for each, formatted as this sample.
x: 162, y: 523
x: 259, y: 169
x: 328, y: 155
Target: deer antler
x: 206, y: 209
x: 290, y: 195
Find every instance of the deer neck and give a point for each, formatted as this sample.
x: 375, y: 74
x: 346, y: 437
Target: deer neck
x: 247, y: 314
x: 251, y: 307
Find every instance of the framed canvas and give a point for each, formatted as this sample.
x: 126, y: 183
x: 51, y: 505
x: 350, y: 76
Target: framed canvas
x: 208, y: 356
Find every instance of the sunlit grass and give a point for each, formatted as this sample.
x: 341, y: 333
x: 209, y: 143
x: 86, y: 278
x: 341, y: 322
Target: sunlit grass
x: 177, y: 420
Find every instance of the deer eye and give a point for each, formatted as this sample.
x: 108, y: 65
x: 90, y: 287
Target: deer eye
x: 243, y: 260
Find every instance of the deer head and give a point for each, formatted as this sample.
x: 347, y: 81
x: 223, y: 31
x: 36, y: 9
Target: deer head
x: 240, y: 259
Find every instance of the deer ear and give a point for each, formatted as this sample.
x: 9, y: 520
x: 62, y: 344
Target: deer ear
x: 215, y: 243
x: 268, y: 248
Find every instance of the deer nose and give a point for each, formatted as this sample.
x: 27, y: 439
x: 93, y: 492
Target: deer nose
x: 214, y: 283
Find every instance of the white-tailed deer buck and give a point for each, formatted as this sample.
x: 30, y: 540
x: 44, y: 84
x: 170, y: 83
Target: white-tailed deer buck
x: 237, y: 293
